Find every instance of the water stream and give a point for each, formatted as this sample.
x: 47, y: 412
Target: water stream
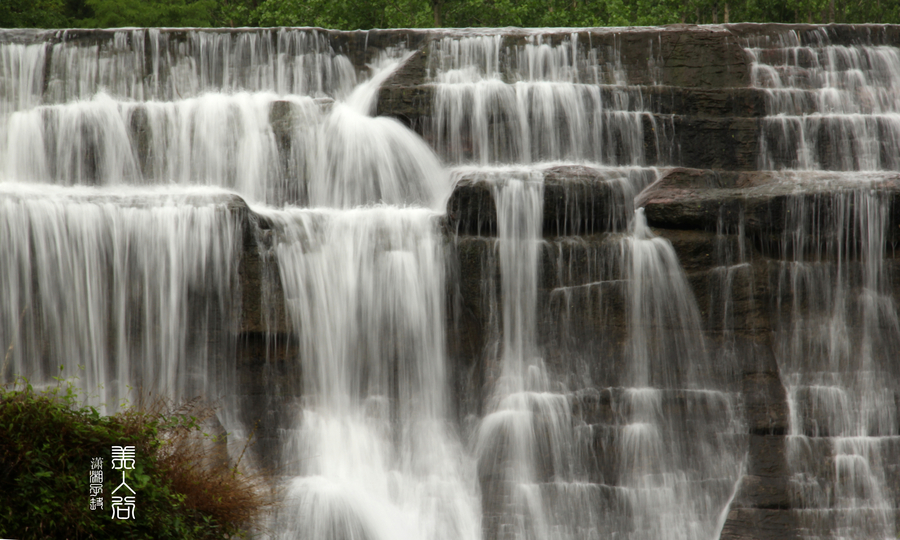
x: 835, y: 107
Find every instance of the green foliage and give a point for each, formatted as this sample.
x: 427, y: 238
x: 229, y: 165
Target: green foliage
x: 33, y: 14
x: 364, y: 14
x: 47, y: 441
x: 118, y: 13
x: 343, y: 14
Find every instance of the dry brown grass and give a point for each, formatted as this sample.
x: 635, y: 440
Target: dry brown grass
x: 197, y: 465
x: 188, y: 487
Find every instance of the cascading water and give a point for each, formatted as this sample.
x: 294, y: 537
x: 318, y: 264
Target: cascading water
x: 376, y: 458
x: 95, y: 282
x: 839, y: 326
x: 677, y: 478
x: 525, y: 437
x: 177, y: 65
x: 370, y: 453
x: 835, y: 107
x: 86, y: 120
x: 101, y: 280
x: 535, y: 102
x: 508, y: 115
x: 147, y: 177
x: 160, y: 248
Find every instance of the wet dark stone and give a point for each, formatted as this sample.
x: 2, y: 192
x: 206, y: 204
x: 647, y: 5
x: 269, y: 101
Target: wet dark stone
x: 757, y: 523
x: 760, y: 202
x: 578, y: 201
x: 766, y: 486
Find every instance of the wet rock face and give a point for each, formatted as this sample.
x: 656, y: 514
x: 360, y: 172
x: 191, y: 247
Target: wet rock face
x: 743, y: 237
x: 694, y: 82
x: 738, y: 233
x: 577, y: 201
x: 757, y: 200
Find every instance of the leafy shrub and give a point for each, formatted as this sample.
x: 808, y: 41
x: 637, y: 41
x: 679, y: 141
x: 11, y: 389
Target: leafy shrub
x: 47, y: 441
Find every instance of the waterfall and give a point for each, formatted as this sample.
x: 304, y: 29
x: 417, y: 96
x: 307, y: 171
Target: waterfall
x: 508, y: 115
x: 526, y: 435
x: 457, y: 284
x: 835, y: 107
x: 840, y: 324
x: 95, y: 286
x: 369, y: 453
x: 139, y: 169
x: 535, y: 102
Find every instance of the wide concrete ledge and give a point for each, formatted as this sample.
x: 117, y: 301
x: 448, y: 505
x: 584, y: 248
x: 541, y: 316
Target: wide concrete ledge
x: 696, y: 55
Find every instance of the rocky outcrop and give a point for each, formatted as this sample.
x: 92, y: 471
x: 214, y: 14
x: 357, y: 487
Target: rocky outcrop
x: 759, y: 201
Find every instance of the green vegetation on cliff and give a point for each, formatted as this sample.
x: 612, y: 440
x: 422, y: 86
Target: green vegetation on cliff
x: 357, y: 14
x: 48, y: 448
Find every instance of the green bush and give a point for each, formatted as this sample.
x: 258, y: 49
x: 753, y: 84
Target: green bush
x: 47, y: 441
x: 356, y: 14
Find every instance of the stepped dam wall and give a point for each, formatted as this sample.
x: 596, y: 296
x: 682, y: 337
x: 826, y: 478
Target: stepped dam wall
x: 632, y: 283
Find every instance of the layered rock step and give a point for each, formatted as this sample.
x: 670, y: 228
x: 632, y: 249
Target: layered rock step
x: 577, y: 200
x: 735, y: 233
x: 704, y: 99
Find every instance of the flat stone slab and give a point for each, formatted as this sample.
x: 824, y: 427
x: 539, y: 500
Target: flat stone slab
x: 760, y: 201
